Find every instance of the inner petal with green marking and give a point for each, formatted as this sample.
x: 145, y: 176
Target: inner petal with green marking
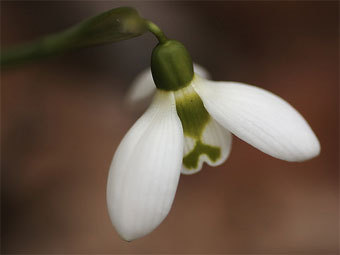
x: 204, y: 139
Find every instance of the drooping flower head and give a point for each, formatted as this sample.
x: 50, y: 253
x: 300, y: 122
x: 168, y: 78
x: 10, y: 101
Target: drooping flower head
x: 189, y: 122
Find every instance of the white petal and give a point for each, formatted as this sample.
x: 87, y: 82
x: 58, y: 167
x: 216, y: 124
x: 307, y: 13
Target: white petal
x: 145, y: 170
x: 201, y: 71
x: 260, y: 118
x: 213, y: 135
x: 143, y: 87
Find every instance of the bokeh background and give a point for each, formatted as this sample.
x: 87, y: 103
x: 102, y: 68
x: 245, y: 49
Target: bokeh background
x: 63, y: 118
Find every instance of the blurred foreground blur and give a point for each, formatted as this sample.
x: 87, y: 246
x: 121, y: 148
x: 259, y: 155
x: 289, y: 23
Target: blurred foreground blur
x: 63, y: 118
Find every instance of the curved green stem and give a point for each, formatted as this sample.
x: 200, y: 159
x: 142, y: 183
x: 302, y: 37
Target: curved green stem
x: 153, y: 28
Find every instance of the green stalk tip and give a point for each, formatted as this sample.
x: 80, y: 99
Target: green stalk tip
x: 153, y: 28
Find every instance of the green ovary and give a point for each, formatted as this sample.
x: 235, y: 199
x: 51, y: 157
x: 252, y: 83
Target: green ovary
x: 194, y: 118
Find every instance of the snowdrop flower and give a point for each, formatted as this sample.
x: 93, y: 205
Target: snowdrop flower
x: 189, y: 122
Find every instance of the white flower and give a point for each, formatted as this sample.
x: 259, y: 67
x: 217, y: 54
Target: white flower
x: 189, y: 122
x: 194, y: 124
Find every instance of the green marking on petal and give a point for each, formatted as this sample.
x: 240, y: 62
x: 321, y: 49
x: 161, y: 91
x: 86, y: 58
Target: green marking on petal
x: 194, y: 118
x: 191, y: 160
x: 191, y: 111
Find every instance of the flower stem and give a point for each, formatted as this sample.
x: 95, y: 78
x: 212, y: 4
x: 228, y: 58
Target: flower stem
x: 111, y: 26
x: 153, y: 28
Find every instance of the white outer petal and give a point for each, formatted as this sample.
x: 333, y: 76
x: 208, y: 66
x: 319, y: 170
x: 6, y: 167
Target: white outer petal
x: 214, y: 135
x: 143, y: 86
x: 201, y: 71
x: 260, y: 118
x: 145, y: 170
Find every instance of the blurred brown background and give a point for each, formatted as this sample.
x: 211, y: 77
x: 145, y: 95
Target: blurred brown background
x: 63, y: 118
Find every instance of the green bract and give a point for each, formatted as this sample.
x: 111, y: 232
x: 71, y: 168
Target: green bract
x: 112, y: 26
x: 171, y: 66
